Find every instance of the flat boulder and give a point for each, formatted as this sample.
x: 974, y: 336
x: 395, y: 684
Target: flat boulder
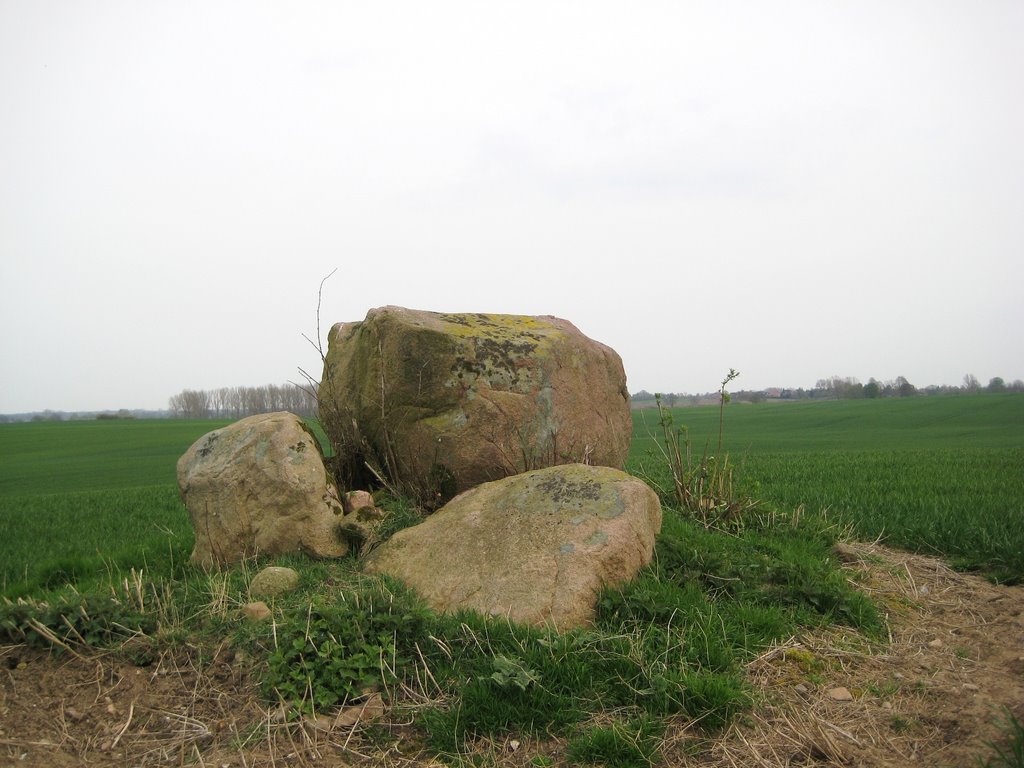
x: 443, y: 402
x: 259, y: 486
x: 536, y: 547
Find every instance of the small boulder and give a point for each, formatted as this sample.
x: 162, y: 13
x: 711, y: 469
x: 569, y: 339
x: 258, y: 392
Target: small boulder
x: 840, y: 694
x: 536, y: 547
x: 373, y: 708
x: 259, y: 486
x: 361, y: 520
x: 256, y: 612
x: 356, y: 500
x: 273, y: 581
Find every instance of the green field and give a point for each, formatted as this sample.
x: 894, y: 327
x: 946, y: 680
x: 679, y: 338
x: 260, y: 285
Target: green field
x: 59, y: 457
x: 84, y: 498
x: 941, y: 474
x: 921, y: 423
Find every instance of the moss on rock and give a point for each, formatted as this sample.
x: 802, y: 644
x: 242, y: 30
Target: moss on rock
x: 482, y: 395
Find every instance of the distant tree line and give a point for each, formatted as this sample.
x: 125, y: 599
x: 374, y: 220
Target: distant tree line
x: 124, y: 413
x: 236, y: 402
x: 51, y: 415
x: 849, y: 388
x: 837, y: 387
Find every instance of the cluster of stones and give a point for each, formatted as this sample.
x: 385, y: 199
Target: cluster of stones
x: 523, y: 419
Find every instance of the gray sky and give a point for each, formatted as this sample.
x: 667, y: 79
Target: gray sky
x: 793, y: 189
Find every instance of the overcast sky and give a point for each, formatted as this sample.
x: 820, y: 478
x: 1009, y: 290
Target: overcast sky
x: 793, y: 189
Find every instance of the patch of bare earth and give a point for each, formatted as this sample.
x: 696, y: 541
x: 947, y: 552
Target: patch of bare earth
x: 931, y: 695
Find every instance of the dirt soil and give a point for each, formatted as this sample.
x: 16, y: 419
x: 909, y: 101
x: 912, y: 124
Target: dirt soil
x: 933, y: 695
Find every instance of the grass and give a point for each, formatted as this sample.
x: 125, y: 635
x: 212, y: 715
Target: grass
x: 630, y: 744
x: 940, y: 474
x: 98, y: 455
x: 671, y: 643
x: 49, y: 540
x: 991, y: 421
x: 82, y: 500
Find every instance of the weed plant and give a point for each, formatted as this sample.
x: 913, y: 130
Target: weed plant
x: 342, y: 647
x: 1010, y: 752
x: 85, y: 621
x: 703, y: 487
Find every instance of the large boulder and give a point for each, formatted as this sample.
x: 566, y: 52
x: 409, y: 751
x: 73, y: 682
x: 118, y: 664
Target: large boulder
x: 260, y: 486
x: 537, y: 547
x: 444, y: 402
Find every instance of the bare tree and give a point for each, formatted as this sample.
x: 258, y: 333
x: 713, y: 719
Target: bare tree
x: 236, y: 402
x: 190, y: 404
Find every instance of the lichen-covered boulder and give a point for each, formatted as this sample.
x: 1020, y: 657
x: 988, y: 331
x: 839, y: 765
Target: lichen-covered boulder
x: 443, y: 402
x: 259, y: 486
x: 537, y: 547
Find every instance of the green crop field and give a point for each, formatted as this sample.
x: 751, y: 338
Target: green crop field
x: 941, y: 474
x: 67, y: 457
x: 84, y: 498
x: 982, y: 421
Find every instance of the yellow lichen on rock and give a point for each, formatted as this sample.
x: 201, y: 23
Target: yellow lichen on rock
x: 470, y: 397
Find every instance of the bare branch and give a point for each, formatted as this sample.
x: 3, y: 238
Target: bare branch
x: 319, y: 302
